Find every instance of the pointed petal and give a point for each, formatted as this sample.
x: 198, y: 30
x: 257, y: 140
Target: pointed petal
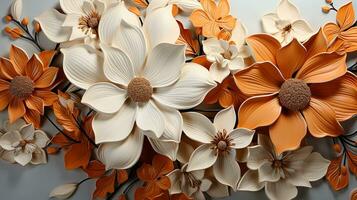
x: 34, y: 68
x: 241, y: 137
x: 5, y: 98
x: 227, y: 171
x: 346, y: 16
x: 32, y: 116
x: 47, y: 96
x: 301, y: 30
x: 7, y: 70
x: 150, y: 120
x: 288, y: 11
x: 69, y: 6
x: 203, y: 152
x: 35, y: 103
x: 316, y: 44
x: 225, y: 119
x: 280, y: 190
x: 268, y: 173
x: 46, y: 57
x: 168, y: 149
x: 16, y: 109
x: 258, y: 156
x: 39, y: 157
x: 23, y: 158
x: 315, y: 167
x: 198, y: 127
x: 250, y: 182
x: 269, y: 23
x: 41, y: 139
x: 173, y: 124
x: 8, y: 139
x: 47, y: 78
x: 19, y: 58
x: 264, y: 47
x: 218, y: 72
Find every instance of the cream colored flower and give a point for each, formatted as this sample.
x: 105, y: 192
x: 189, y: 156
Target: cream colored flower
x: 63, y: 191
x: 280, y: 174
x: 287, y: 24
x: 24, y: 143
x: 186, y: 6
x: 219, y: 142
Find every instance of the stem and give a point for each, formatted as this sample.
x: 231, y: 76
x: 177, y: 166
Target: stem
x: 30, y: 38
x: 84, y: 132
x: 84, y: 180
x: 54, y: 125
x: 131, y: 184
x: 333, y: 7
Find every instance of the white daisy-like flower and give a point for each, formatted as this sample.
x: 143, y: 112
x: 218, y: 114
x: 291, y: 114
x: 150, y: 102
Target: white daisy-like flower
x: 219, y: 142
x: 23, y: 144
x: 287, y: 24
x: 82, y: 20
x: 281, y: 174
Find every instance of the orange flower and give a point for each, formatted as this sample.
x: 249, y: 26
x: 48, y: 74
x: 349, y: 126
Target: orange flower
x: 25, y: 85
x: 295, y: 88
x: 156, y: 183
x: 342, y: 37
x: 214, y: 20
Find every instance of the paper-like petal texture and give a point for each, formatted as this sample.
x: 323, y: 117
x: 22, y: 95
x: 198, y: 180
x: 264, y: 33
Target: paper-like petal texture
x: 198, y: 127
x: 202, y: 158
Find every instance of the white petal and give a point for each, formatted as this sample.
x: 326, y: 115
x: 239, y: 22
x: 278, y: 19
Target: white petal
x: 104, y: 97
x: 8, y: 140
x: 288, y: 11
x: 218, y: 72
x: 39, y: 157
x: 250, y: 182
x: 16, y: 9
x: 164, y: 64
x: 225, y: 119
x: 150, y: 120
x: 27, y: 132
x: 241, y: 137
x: 131, y: 40
x: 82, y: 67
x: 198, y: 127
x: 110, y: 22
x: 51, y: 24
x: 70, y: 6
x: 257, y: 157
x: 123, y: 154
x: 299, y: 155
x: 268, y: 173
x: 202, y: 158
x: 298, y: 180
x: 212, y: 46
x: 227, y: 171
x: 116, y: 127
x: 161, y: 27
x: 280, y: 190
x: 8, y: 156
x: 168, y: 149
x: 175, y: 177
x: 238, y: 34
x: 173, y: 124
x: 236, y: 64
x: 269, y: 23
x: 189, y: 91
x: 155, y: 4
x: 23, y: 158
x: 77, y: 34
x: 187, y: 6
x: 17, y: 125
x: 184, y: 152
x: 315, y: 167
x: 301, y: 30
x: 41, y: 139
x: 71, y: 20
x: 218, y: 190
x: 118, y: 67
x: 63, y: 191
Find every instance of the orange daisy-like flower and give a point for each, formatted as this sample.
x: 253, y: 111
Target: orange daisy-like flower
x: 25, y: 85
x: 214, y: 20
x: 296, y: 88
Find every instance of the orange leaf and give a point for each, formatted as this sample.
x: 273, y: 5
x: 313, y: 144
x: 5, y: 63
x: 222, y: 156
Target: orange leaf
x: 146, y: 172
x: 53, y: 150
x: 122, y: 176
x: 162, y: 164
x: 352, y: 162
x: 95, y: 169
x: 61, y: 140
x: 64, y: 116
x: 164, y: 183
x: 78, y: 155
x: 346, y: 16
x: 202, y: 60
x: 104, y: 185
x: 336, y: 175
x: 192, y: 45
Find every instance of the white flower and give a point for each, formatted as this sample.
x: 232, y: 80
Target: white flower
x: 82, y: 20
x: 186, y: 6
x: 287, y: 24
x: 24, y: 143
x: 280, y: 174
x: 16, y: 9
x: 220, y: 141
x: 64, y: 191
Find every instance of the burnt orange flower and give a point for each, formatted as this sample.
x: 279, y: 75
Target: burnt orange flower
x: 214, y: 20
x: 295, y: 88
x: 25, y: 85
x: 342, y: 37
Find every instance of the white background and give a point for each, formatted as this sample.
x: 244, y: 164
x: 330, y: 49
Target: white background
x: 34, y: 183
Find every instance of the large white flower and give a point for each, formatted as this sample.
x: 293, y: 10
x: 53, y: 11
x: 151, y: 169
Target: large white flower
x: 287, y: 24
x: 82, y: 20
x: 280, y: 174
x: 186, y: 6
x: 23, y: 144
x: 220, y: 140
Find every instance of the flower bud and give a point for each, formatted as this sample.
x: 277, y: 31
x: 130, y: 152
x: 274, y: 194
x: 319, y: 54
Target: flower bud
x: 7, y: 30
x: 37, y: 27
x: 25, y: 21
x: 8, y: 18
x: 329, y: 1
x: 326, y: 9
x: 64, y: 191
x: 337, y: 148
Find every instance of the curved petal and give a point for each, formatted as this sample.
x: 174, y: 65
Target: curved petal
x: 82, y: 67
x: 8, y: 140
x: 118, y: 67
x: 161, y: 19
x: 259, y: 79
x: 40, y: 139
x: 47, y: 78
x: 23, y: 158
x: 20, y: 60
x: 287, y: 65
x: 7, y: 69
x: 168, y: 149
x: 227, y: 171
x: 315, y: 167
x: 241, y: 137
x: 173, y: 124
x: 5, y: 98
x: 301, y: 30
x: 16, y: 109
x: 258, y: 156
x: 51, y: 24
x: 202, y: 158
x: 239, y: 34
x: 219, y: 73
x: 198, y: 127
x: 70, y: 6
x: 35, y: 103
x: 316, y: 44
x: 323, y: 67
x: 264, y: 47
x: 34, y: 68
x: 123, y: 154
x: 150, y: 120
x: 250, y: 182
x: 268, y: 173
x: 345, y: 16
x: 269, y: 22
x: 104, y: 97
x: 164, y: 64
x: 39, y: 157
x: 253, y: 112
x: 225, y: 119
x: 175, y: 179
x: 288, y: 11
x: 331, y: 31
x: 280, y: 190
x: 189, y: 91
x: 321, y: 119
x: 288, y: 131
x: 213, y: 46
x: 116, y: 127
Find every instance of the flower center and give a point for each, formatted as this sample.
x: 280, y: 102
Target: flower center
x: 21, y: 87
x: 294, y: 94
x: 194, y: 183
x: 222, y: 143
x: 287, y: 28
x: 140, y: 90
x: 90, y: 23
x: 227, y: 55
x: 277, y: 163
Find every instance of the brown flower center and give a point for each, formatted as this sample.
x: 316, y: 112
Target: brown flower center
x: 287, y: 28
x: 90, y: 23
x: 191, y: 179
x: 227, y: 55
x: 277, y: 163
x: 222, y: 143
x: 21, y: 87
x: 140, y: 90
x: 294, y: 94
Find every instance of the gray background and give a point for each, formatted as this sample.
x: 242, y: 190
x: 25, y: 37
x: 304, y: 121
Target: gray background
x: 35, y: 183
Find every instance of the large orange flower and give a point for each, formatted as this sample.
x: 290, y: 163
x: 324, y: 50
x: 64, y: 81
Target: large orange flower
x: 295, y: 88
x: 214, y: 20
x: 25, y: 85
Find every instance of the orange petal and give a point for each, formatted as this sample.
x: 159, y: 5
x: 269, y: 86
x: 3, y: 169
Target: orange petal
x: 47, y: 78
x: 264, y: 47
x: 321, y: 119
x: 7, y: 70
x: 323, y: 67
x: 259, y: 111
x: 202, y: 60
x: 286, y: 64
x: 316, y: 44
x: 223, y: 9
x: 146, y: 172
x: 340, y: 94
x: 4, y: 85
x: 4, y: 99
x: 35, y: 103
x: 33, y: 117
x: 288, y: 131
x: 164, y: 183
x: 199, y: 18
x: 346, y: 16
x: 19, y: 58
x: 226, y: 99
x: 209, y: 6
x: 258, y: 79
x: 210, y: 29
x: 47, y: 96
x: 331, y: 31
x: 162, y: 164
x: 34, y: 68
x: 227, y: 23
x: 46, y: 57
x: 350, y: 39
x: 16, y: 109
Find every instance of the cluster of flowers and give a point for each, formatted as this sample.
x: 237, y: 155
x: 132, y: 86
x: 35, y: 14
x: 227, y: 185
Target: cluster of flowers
x: 134, y: 79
